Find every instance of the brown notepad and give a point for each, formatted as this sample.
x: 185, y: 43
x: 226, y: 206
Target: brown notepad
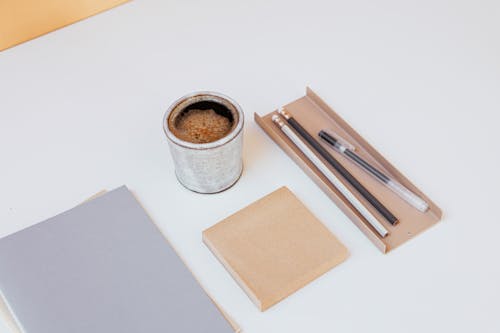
x: 274, y: 247
x: 22, y: 20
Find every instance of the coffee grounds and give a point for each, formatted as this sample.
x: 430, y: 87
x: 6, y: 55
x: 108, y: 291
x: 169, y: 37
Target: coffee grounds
x: 201, y: 126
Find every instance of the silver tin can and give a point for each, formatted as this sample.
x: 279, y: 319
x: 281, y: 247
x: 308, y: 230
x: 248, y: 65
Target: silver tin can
x: 207, y: 167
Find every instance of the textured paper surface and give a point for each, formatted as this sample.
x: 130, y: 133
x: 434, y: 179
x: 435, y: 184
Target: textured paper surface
x: 22, y: 20
x: 274, y: 247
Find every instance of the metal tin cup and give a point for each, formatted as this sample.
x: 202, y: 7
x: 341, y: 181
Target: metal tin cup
x: 206, y: 167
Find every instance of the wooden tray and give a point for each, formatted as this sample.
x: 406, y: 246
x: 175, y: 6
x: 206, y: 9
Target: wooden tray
x: 314, y: 114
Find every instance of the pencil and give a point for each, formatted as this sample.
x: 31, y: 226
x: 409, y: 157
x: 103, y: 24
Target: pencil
x: 348, y: 195
x: 339, y: 168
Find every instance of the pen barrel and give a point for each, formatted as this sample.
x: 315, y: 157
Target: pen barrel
x: 408, y: 196
x: 344, y: 173
x: 396, y: 187
x: 369, y: 168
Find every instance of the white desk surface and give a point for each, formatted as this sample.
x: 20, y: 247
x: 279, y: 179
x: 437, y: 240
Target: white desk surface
x: 81, y: 111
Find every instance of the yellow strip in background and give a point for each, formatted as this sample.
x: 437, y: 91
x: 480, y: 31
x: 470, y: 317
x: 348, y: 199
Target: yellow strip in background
x: 22, y: 20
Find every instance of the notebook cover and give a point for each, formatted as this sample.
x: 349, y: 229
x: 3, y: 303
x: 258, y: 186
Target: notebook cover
x: 274, y: 247
x: 22, y: 20
x: 102, y: 267
x: 6, y: 314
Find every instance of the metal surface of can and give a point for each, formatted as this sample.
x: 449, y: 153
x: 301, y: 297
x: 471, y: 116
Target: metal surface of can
x: 207, y: 167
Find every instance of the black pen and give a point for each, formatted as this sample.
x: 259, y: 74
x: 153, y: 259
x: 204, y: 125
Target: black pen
x: 392, y: 184
x: 337, y: 166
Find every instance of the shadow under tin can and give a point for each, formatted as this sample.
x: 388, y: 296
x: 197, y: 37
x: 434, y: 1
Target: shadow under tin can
x: 207, y: 167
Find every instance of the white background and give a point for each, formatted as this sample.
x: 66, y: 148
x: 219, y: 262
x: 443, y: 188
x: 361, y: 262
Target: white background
x: 81, y: 110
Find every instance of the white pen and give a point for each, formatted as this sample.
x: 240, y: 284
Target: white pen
x: 358, y: 205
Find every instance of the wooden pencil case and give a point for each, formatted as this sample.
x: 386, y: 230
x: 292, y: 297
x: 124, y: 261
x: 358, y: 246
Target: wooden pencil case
x: 314, y: 115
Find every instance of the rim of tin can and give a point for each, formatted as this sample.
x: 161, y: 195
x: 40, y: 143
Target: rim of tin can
x: 217, y: 143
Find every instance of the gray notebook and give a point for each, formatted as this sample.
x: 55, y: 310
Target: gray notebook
x: 102, y: 267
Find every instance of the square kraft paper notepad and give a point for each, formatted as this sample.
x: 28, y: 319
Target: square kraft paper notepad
x: 274, y: 247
